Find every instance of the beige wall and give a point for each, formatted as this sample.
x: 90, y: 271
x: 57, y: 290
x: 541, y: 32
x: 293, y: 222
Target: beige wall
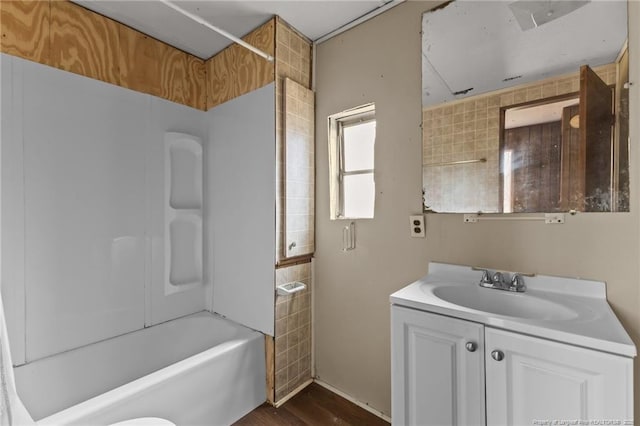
x: 379, y: 61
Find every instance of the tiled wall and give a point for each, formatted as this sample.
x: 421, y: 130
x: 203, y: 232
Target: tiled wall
x: 293, y: 332
x: 293, y: 313
x: 293, y: 61
x: 299, y: 170
x: 469, y: 129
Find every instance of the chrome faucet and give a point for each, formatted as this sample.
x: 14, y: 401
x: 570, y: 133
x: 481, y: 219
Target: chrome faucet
x: 486, y: 280
x: 498, y: 281
x: 517, y: 283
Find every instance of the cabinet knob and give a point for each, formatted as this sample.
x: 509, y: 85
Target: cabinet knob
x: 471, y: 346
x: 497, y: 355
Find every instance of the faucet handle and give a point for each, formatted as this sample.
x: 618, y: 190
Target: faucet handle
x: 517, y: 283
x: 498, y: 279
x: 486, y: 278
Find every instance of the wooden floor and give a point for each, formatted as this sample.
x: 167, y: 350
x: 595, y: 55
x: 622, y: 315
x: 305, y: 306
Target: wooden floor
x: 315, y: 405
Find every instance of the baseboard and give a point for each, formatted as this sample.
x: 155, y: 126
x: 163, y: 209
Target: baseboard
x: 293, y: 393
x: 349, y: 398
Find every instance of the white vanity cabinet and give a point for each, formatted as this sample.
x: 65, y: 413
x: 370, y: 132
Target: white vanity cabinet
x: 437, y: 369
x: 439, y: 364
x: 529, y: 379
x: 464, y: 354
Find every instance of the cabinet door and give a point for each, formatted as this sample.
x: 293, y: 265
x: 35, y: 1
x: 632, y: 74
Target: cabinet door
x: 539, y: 379
x: 436, y: 380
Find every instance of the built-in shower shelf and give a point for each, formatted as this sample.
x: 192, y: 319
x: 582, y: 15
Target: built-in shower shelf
x: 291, y: 288
x: 183, y: 212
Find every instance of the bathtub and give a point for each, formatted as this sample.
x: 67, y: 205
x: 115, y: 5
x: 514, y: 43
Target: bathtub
x: 196, y: 370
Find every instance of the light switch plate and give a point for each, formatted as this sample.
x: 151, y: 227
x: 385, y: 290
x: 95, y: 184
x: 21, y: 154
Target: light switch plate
x: 416, y: 225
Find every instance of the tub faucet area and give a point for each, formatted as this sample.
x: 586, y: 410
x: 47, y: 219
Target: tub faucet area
x: 498, y: 281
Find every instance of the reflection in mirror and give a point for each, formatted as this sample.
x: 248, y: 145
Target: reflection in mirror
x: 531, y: 151
x: 513, y: 118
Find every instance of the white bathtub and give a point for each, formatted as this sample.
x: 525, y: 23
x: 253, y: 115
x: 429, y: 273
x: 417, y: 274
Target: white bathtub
x: 196, y: 370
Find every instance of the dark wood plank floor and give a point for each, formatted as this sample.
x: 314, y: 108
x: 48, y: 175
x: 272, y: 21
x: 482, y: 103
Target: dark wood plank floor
x: 313, y: 406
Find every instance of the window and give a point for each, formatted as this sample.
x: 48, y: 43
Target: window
x: 352, y: 135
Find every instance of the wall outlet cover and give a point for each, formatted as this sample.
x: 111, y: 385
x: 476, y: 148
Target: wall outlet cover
x: 416, y: 225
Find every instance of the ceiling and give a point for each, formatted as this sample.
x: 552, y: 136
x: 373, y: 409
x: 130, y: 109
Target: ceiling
x: 311, y: 17
x: 478, y: 45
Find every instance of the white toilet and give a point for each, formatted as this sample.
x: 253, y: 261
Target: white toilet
x: 14, y: 413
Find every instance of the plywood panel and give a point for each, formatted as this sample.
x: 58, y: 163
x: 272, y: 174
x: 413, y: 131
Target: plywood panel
x: 84, y: 42
x: 69, y: 37
x: 25, y: 29
x: 236, y: 71
x: 150, y: 66
x: 196, y: 83
x: 270, y: 360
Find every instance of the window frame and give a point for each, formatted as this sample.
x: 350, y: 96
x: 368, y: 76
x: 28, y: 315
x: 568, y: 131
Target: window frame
x: 337, y: 123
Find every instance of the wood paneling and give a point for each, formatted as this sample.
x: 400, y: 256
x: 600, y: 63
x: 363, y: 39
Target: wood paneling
x: 69, y: 37
x: 84, y: 43
x: 25, y: 29
x: 236, y: 71
x: 572, y: 168
x: 535, y: 166
x: 596, y: 121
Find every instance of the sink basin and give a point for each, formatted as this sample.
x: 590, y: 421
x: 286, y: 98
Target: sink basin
x: 499, y: 302
x: 569, y: 310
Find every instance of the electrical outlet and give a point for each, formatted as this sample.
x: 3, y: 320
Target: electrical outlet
x: 416, y: 224
x: 553, y: 218
x: 470, y: 218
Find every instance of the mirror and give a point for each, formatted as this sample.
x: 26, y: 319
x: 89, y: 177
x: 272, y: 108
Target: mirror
x: 525, y: 107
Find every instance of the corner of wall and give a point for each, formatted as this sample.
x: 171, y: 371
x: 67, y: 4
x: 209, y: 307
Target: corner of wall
x: 236, y: 71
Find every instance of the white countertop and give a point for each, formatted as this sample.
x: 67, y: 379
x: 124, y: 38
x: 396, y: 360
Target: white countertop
x: 593, y: 325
